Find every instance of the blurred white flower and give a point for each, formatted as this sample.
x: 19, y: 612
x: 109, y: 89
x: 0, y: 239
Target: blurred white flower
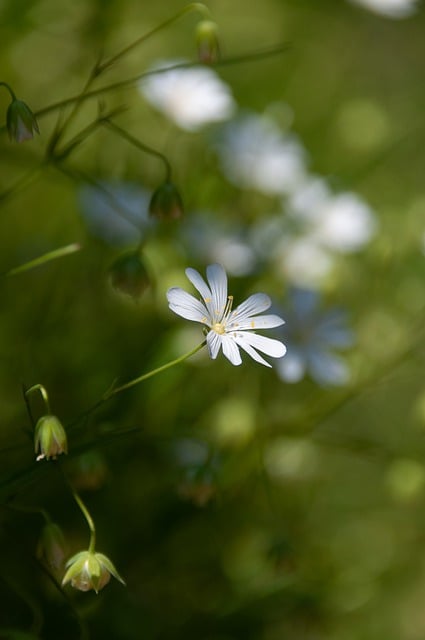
x: 255, y: 154
x: 191, y: 97
x: 227, y: 329
x: 389, y: 8
x: 342, y: 222
x: 304, y: 262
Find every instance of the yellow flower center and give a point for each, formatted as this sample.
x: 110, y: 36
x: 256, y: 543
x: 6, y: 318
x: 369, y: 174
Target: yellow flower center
x: 219, y: 328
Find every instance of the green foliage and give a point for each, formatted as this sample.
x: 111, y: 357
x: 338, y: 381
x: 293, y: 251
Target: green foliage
x: 236, y: 502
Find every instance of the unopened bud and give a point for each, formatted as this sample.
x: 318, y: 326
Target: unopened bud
x: 49, y: 438
x: 166, y: 202
x: 207, y: 42
x: 20, y: 121
x: 128, y: 274
x: 88, y: 570
x: 51, y: 546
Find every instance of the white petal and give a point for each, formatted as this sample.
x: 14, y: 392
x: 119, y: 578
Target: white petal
x: 186, y: 306
x: 252, y: 352
x: 217, y: 279
x: 199, y: 283
x: 256, y: 322
x: 269, y: 346
x: 214, y: 343
x: 257, y: 303
x: 230, y: 350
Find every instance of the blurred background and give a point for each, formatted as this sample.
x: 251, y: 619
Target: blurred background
x: 237, y: 502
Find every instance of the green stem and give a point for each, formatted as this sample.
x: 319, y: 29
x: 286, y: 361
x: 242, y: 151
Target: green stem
x: 42, y: 390
x: 194, y: 6
x: 132, y: 383
x: 248, y: 57
x: 46, y: 257
x: 143, y: 147
x: 87, y: 516
x: 164, y: 367
x: 9, y: 88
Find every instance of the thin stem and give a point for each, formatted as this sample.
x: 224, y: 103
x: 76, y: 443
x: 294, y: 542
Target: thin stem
x: 140, y: 145
x: 87, y: 516
x: 248, y: 57
x: 83, y: 134
x: 114, y: 391
x: 164, y: 367
x: 194, y: 6
x: 46, y: 257
x: 42, y: 390
x: 9, y: 88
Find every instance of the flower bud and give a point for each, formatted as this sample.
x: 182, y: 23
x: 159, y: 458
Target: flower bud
x: 166, y: 202
x: 49, y: 438
x: 207, y: 42
x: 88, y: 570
x: 51, y: 546
x: 128, y: 274
x: 20, y: 121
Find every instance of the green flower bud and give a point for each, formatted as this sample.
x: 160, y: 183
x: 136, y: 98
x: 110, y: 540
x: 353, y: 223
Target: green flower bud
x: 207, y: 42
x: 49, y: 438
x: 88, y: 570
x: 51, y: 546
x: 128, y: 274
x: 166, y: 202
x: 20, y: 121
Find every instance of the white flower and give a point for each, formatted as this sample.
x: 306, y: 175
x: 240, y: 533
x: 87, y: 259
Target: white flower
x: 191, y: 98
x: 389, y: 8
x: 255, y: 154
x: 227, y: 329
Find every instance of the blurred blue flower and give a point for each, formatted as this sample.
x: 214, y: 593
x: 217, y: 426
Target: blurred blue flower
x: 310, y: 336
x: 115, y: 212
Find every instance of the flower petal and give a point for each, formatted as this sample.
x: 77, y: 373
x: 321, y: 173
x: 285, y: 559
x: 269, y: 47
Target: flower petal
x: 269, y: 346
x: 199, y: 283
x: 186, y: 306
x: 256, y: 322
x: 217, y: 279
x: 214, y: 342
x: 230, y: 350
x: 252, y: 352
x: 257, y: 303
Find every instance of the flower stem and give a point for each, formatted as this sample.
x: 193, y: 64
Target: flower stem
x: 245, y: 57
x: 42, y: 390
x: 140, y: 145
x: 115, y: 390
x: 194, y: 6
x: 164, y: 367
x: 87, y: 516
x: 9, y: 88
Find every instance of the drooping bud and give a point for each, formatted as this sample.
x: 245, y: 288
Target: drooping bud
x: 20, y: 121
x: 88, y: 570
x: 166, y: 202
x: 207, y: 42
x: 51, y: 547
x: 49, y: 438
x: 128, y: 274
